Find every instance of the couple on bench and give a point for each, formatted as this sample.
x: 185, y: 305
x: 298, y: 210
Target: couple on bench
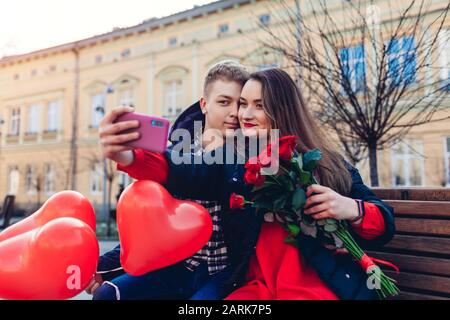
x: 246, y: 257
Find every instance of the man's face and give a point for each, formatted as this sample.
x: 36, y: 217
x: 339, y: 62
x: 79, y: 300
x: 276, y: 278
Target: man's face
x: 220, y: 106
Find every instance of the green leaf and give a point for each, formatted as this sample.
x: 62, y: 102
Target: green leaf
x: 330, y: 228
x: 298, y: 199
x: 291, y: 241
x: 267, y: 191
x: 298, y: 160
x: 286, y: 182
x: 293, y: 229
x: 293, y: 176
x: 263, y: 203
x: 305, y: 178
x: 297, y: 164
x: 310, y: 159
x: 279, y: 203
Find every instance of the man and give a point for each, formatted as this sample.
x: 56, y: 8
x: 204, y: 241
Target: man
x: 199, y: 276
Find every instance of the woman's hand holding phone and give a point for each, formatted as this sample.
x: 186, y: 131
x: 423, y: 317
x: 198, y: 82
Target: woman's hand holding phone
x: 112, y: 141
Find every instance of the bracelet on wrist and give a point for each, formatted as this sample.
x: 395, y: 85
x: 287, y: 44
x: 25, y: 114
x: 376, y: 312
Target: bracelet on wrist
x: 361, y: 211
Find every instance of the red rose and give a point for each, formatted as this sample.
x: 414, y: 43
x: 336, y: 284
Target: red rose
x: 253, y: 174
x: 287, y: 147
x: 264, y: 157
x: 254, y: 178
x: 253, y: 164
x: 237, y: 201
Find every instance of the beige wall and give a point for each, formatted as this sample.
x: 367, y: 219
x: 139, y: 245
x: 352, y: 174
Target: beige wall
x: 151, y: 64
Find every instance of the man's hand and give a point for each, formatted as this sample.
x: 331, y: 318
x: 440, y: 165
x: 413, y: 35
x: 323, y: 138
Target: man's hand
x: 112, y: 142
x: 95, y: 283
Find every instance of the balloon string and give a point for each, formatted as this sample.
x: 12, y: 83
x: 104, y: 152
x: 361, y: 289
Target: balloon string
x: 106, y: 271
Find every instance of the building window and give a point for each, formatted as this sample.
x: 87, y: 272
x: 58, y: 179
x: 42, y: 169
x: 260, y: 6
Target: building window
x: 14, y: 125
x: 96, y: 179
x: 173, y: 42
x: 444, y: 58
x: 30, y: 181
x: 353, y: 67
x: 33, y: 119
x: 447, y: 161
x: 16, y: 76
x: 98, y: 59
x: 52, y: 68
x: 401, y: 57
x: 408, y: 164
x: 224, y: 28
x: 33, y: 72
x: 52, y: 116
x: 125, y: 53
x: 126, y: 97
x: 172, y: 101
x: 49, y: 179
x: 97, y: 109
x: 125, y: 179
x: 265, y: 66
x: 264, y: 19
x: 13, y: 180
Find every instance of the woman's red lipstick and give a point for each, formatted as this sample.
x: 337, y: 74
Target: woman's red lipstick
x: 249, y: 125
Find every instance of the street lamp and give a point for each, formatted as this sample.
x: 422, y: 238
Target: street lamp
x: 105, y: 209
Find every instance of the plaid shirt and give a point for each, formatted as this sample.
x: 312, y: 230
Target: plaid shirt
x: 215, y: 251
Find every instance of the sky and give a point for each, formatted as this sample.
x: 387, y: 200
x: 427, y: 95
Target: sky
x: 29, y: 25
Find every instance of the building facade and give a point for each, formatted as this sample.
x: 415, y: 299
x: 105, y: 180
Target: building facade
x: 52, y: 100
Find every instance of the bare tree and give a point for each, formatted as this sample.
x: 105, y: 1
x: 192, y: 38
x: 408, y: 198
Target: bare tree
x: 58, y: 176
x: 109, y: 170
x: 372, y: 77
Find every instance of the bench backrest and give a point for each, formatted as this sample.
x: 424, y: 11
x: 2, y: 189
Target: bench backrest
x: 421, y: 245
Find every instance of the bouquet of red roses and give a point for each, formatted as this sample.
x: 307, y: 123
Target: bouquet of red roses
x: 282, y: 196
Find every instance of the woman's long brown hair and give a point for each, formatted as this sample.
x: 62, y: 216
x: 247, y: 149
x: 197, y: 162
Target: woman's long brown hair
x: 284, y: 105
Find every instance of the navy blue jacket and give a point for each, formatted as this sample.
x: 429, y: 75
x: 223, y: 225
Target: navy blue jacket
x: 241, y: 229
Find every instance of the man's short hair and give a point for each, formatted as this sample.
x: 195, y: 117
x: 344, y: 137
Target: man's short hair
x: 226, y: 70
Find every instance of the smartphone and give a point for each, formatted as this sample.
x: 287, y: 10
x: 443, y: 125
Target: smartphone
x: 153, y: 131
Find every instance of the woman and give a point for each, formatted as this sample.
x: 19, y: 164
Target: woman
x: 271, y: 100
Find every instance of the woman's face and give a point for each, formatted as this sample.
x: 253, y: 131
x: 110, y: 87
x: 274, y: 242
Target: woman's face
x: 251, y: 115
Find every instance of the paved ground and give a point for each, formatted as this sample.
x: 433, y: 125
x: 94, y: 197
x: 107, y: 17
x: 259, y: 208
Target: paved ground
x: 104, y: 247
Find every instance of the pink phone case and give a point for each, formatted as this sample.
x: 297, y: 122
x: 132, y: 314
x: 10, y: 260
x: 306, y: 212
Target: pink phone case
x: 153, y: 131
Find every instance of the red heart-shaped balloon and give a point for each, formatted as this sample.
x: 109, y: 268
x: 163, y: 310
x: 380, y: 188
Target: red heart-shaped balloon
x: 157, y: 230
x: 55, y: 261
x: 62, y: 204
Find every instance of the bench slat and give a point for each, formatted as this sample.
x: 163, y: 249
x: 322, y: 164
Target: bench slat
x: 421, y: 208
x: 420, y: 244
x: 420, y: 281
x: 404, y: 295
x: 424, y: 226
x: 425, y: 215
x: 437, y: 194
x: 415, y: 263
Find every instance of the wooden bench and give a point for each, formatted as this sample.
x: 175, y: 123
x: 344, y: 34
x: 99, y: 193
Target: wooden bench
x: 421, y: 245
